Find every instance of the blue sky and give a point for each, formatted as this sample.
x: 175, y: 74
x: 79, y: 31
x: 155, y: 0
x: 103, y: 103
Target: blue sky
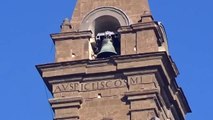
x: 25, y: 42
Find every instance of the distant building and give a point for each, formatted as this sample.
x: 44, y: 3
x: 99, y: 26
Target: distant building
x: 113, y: 63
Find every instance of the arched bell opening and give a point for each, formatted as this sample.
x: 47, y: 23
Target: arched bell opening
x: 106, y: 23
x: 107, y: 37
x: 101, y: 20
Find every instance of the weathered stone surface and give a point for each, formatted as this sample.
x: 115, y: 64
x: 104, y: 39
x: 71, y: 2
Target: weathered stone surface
x: 133, y: 9
x: 137, y: 84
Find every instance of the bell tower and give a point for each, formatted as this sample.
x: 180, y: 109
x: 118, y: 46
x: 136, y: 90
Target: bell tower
x: 112, y: 63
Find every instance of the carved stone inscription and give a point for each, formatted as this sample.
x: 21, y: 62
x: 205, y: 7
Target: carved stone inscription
x: 101, y: 85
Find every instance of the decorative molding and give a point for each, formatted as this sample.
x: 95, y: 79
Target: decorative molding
x: 145, y: 26
x: 82, y: 65
x: 103, y: 11
x: 66, y: 102
x: 67, y: 117
x: 71, y: 35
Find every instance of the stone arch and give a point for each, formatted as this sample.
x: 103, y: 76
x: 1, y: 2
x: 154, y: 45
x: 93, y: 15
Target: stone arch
x: 105, y: 23
x: 104, y: 19
x: 104, y: 14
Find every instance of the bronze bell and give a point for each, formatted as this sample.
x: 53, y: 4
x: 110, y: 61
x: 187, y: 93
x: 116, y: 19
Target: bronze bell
x: 107, y: 48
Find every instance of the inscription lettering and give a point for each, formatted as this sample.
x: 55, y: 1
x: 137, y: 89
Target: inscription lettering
x: 135, y: 80
x: 100, y: 85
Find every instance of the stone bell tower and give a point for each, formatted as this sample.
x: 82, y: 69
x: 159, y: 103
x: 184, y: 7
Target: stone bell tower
x: 112, y: 63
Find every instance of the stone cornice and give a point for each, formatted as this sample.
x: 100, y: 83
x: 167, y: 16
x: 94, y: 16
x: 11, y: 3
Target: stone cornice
x: 71, y: 35
x: 66, y: 102
x: 66, y: 117
x: 137, y: 27
x: 143, y: 26
x: 138, y: 93
x: 111, y: 64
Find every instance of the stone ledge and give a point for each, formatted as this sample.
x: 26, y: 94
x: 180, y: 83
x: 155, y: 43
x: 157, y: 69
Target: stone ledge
x: 144, y: 26
x: 181, y: 100
x: 137, y: 27
x: 137, y: 110
x: 117, y: 63
x: 67, y: 117
x: 137, y: 93
x: 66, y: 102
x: 71, y: 35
